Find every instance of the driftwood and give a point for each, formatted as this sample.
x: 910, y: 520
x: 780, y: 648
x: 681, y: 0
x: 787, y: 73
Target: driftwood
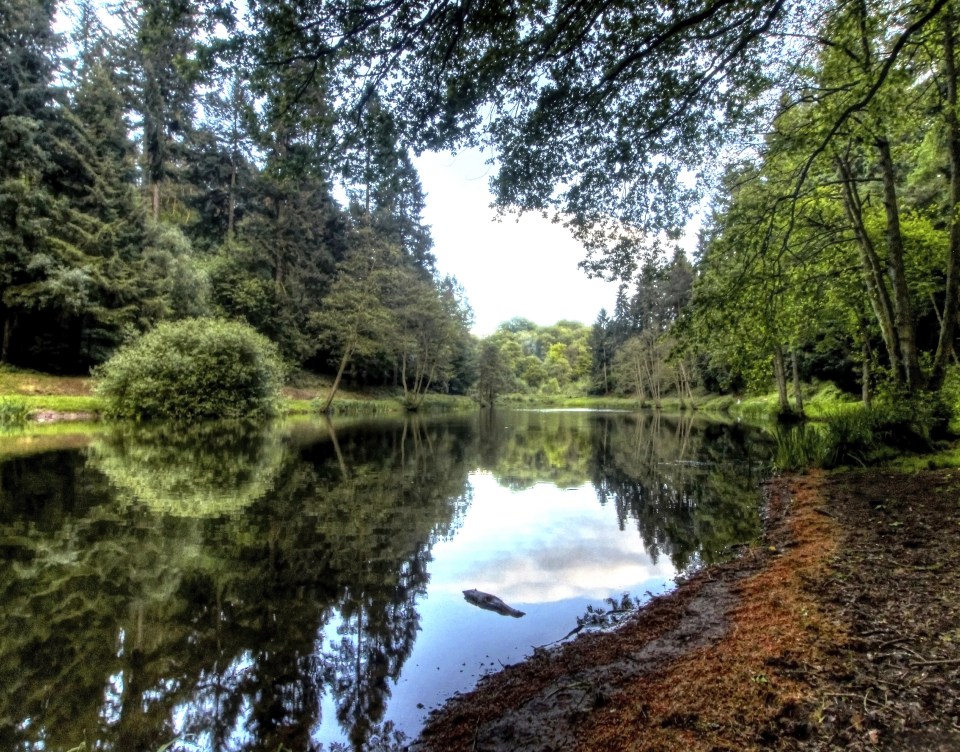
x: 490, y: 603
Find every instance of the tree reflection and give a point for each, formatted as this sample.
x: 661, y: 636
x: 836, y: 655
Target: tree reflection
x: 128, y: 625
x: 689, y: 486
x: 218, y: 585
x: 522, y: 448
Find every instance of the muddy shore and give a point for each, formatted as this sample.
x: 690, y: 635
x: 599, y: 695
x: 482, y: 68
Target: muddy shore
x: 840, y: 631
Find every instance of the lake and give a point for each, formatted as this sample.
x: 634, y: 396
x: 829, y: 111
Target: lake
x: 301, y: 587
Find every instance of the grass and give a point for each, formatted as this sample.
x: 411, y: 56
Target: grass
x: 432, y: 403
x: 13, y: 411
x: 945, y: 458
x: 594, y: 402
x: 24, y: 392
x: 64, y: 403
x: 33, y: 383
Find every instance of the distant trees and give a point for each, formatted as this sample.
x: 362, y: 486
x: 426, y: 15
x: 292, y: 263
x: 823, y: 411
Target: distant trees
x: 493, y: 378
x: 636, y: 351
x: 535, y: 359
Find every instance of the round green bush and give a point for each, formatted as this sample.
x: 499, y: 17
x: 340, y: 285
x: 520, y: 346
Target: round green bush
x: 191, y: 369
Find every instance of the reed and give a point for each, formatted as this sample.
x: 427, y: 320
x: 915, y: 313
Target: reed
x: 13, y: 411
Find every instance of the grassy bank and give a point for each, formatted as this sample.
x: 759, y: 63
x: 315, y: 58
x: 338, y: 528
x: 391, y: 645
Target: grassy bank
x: 29, y: 394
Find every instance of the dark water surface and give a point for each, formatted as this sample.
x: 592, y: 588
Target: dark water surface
x: 301, y: 587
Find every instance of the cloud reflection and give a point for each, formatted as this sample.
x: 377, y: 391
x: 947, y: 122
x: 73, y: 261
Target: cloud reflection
x: 542, y: 545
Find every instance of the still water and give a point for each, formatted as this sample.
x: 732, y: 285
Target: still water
x: 301, y: 587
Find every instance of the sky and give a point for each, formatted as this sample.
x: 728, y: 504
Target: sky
x: 526, y: 267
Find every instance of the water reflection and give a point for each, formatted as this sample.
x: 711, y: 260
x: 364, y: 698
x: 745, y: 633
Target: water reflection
x: 201, y: 471
x: 247, y: 590
x: 682, y: 482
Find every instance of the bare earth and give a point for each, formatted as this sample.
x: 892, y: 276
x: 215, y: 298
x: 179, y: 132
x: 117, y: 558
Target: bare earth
x: 841, y: 631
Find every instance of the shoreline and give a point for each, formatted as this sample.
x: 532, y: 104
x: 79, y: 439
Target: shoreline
x: 761, y: 652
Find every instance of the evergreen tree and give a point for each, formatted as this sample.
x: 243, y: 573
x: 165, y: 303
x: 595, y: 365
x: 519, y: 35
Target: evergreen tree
x: 28, y: 60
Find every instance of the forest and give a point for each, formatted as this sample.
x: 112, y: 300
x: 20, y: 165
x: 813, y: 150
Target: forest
x: 164, y: 160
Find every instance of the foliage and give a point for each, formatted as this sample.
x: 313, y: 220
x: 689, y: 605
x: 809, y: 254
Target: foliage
x: 155, y: 168
x: 548, y: 360
x: 168, y: 167
x: 594, y: 112
x: 13, y: 411
x: 194, y: 368
x: 356, y: 319
x: 861, y: 435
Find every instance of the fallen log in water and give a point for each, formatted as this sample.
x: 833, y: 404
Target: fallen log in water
x: 490, y: 603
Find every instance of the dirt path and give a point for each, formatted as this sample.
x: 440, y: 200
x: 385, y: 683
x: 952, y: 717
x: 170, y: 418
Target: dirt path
x: 841, y: 631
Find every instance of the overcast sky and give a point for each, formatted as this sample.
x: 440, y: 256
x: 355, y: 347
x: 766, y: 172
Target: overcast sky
x: 508, y: 268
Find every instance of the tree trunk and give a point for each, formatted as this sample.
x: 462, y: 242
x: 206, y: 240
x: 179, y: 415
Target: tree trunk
x: 797, y: 393
x: 902, y: 308
x: 278, y: 248
x: 347, y: 352
x: 155, y: 200
x: 952, y: 289
x: 232, y: 200
x: 873, y: 278
x: 780, y: 374
x: 9, y: 322
x: 866, y: 373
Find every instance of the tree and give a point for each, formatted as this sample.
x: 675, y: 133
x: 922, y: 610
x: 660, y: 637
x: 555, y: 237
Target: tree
x: 432, y: 318
x: 601, y: 349
x: 160, y: 43
x: 493, y: 376
x: 595, y: 112
x: 354, y: 319
x: 827, y: 198
x: 28, y: 49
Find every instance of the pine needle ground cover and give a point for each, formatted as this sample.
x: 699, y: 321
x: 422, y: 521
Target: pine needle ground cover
x: 840, y: 631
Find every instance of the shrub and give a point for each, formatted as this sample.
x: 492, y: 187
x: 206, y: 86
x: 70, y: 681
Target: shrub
x: 190, y: 369
x: 13, y: 411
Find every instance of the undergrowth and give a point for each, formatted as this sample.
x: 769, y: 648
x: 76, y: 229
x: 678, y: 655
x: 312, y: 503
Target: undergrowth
x: 862, y: 435
x: 13, y: 411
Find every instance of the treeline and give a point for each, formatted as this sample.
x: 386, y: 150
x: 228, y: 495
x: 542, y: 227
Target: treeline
x: 194, y: 163
x: 834, y: 247
x: 162, y: 168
